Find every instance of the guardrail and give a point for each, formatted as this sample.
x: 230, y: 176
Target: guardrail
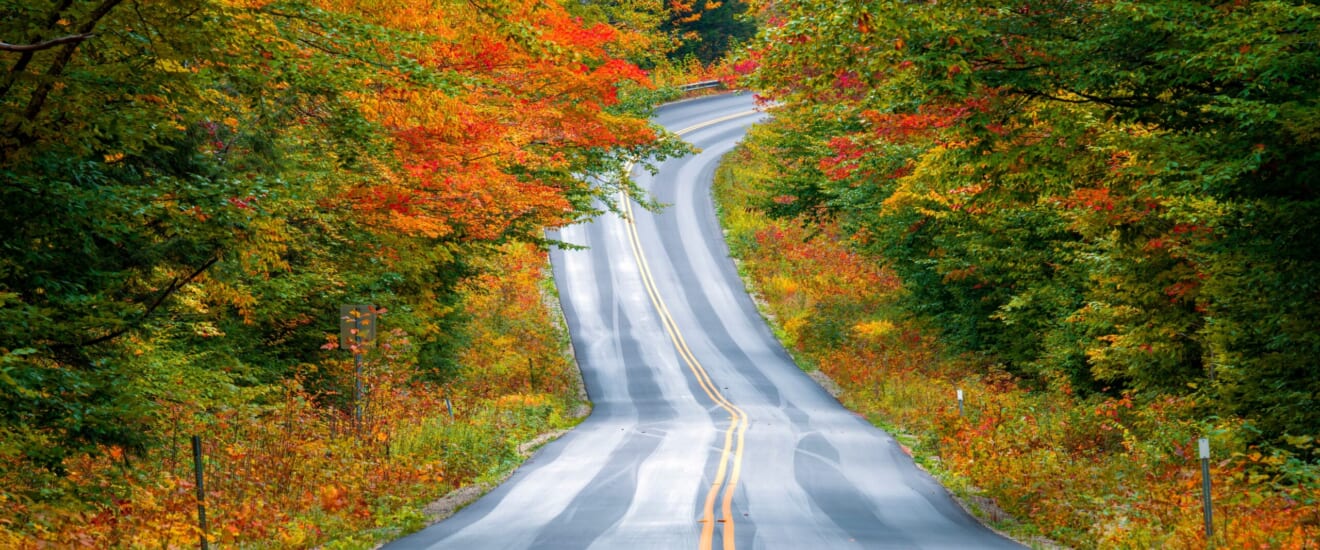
x: 701, y: 85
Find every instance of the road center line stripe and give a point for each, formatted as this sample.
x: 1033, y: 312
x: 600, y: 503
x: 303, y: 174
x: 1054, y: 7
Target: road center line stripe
x: 735, y: 434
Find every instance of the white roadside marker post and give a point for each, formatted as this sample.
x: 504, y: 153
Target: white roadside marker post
x: 1204, y: 445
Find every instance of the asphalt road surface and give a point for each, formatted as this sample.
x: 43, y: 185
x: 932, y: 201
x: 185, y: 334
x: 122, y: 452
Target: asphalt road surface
x: 704, y: 432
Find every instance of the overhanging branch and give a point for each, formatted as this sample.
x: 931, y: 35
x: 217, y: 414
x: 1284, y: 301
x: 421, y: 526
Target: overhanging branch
x: 169, y: 289
x: 45, y: 45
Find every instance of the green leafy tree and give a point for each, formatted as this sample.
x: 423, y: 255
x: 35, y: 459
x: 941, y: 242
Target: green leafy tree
x: 191, y: 188
x: 141, y: 163
x: 1104, y: 194
x: 708, y: 29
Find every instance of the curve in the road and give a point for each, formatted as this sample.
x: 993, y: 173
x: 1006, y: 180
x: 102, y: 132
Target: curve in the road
x: 700, y: 417
x: 731, y: 452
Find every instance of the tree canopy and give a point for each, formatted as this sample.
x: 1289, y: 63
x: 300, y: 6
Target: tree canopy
x: 709, y: 29
x: 1105, y: 196
x: 190, y: 188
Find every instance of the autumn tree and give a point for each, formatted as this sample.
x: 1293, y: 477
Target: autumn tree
x: 708, y: 29
x: 643, y: 40
x: 190, y: 188
x: 1103, y: 195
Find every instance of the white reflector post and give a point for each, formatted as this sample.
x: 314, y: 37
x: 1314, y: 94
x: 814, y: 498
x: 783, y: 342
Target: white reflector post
x: 1204, y: 444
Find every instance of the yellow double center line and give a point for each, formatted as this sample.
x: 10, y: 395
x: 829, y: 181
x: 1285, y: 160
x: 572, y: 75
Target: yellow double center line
x: 735, y: 434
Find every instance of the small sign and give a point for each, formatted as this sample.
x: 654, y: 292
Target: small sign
x: 357, y: 323
x: 1204, y: 443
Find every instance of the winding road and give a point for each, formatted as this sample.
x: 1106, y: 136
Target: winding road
x: 704, y: 432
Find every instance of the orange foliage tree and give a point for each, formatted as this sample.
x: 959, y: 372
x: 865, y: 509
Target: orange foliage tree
x: 525, y: 103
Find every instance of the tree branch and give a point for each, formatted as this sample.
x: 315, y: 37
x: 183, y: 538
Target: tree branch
x: 57, y: 67
x: 48, y: 44
x: 340, y: 53
x: 26, y: 57
x: 170, y: 289
x: 1131, y: 101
